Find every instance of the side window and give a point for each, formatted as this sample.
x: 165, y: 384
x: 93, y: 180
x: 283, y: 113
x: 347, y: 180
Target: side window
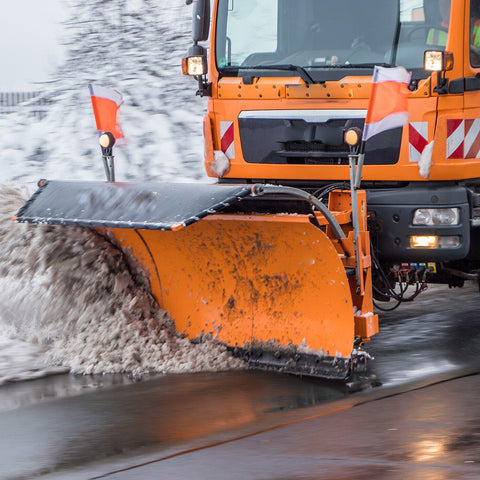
x: 423, y: 25
x: 439, y: 19
x: 425, y: 21
x: 475, y: 33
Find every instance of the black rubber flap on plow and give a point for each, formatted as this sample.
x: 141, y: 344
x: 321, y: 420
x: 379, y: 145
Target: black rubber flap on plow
x: 162, y: 206
x: 310, y: 365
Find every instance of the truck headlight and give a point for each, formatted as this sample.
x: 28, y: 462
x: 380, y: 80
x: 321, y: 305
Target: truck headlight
x: 436, y: 216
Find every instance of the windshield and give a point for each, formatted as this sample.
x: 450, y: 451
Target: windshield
x: 327, y: 34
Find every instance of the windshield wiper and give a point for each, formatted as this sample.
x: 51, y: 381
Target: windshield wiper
x: 304, y: 75
x: 357, y: 65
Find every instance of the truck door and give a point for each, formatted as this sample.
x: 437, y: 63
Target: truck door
x: 471, y: 80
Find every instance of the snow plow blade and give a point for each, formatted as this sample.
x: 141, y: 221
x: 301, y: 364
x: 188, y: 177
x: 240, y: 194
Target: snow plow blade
x: 98, y: 204
x: 273, y: 287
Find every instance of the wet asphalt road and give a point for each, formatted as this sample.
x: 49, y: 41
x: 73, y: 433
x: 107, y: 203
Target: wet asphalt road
x: 85, y: 427
x: 432, y: 433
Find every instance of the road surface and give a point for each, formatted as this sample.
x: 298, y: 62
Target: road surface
x: 389, y: 424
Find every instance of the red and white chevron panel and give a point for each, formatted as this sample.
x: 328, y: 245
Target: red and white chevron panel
x: 417, y: 140
x: 472, y: 138
x: 227, y: 139
x: 455, y: 137
x: 463, y: 138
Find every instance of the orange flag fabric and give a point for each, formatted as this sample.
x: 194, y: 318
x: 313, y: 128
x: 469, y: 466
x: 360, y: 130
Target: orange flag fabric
x: 106, y: 104
x: 388, y: 104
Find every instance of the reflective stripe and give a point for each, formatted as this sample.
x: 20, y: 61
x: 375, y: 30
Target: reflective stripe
x: 455, y: 137
x: 417, y: 140
x: 472, y: 138
x: 463, y: 138
x: 227, y: 139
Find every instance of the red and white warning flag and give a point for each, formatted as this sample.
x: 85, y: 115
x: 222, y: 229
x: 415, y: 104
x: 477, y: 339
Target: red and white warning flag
x: 388, y: 106
x: 106, y: 104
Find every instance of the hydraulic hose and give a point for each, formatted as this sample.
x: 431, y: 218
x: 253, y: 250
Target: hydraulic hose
x: 259, y: 189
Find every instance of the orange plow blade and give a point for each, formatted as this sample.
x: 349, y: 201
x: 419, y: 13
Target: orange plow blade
x: 258, y: 283
x: 277, y: 288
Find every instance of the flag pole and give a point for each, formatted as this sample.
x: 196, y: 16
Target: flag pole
x: 359, y: 167
x: 106, y: 104
x: 107, y: 141
x: 387, y: 109
x: 355, y: 162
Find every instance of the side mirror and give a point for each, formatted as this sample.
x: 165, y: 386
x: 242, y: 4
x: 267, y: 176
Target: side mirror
x: 195, y: 64
x: 201, y: 21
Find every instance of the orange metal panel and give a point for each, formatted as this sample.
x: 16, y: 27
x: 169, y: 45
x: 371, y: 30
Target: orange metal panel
x: 260, y: 89
x: 250, y: 279
x: 422, y: 105
x: 359, y: 89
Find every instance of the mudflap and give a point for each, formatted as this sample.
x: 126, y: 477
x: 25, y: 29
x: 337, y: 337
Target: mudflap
x: 272, y: 287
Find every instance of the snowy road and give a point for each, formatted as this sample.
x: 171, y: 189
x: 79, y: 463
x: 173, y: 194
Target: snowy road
x: 67, y: 427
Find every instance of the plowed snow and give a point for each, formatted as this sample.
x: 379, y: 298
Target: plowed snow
x: 68, y: 293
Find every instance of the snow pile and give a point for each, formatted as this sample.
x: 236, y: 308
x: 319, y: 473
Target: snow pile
x: 68, y: 291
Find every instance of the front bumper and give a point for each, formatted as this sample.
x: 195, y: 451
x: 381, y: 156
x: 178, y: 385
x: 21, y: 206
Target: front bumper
x: 391, y: 214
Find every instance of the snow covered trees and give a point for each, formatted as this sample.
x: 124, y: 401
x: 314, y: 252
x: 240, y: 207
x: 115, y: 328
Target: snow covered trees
x: 134, y: 46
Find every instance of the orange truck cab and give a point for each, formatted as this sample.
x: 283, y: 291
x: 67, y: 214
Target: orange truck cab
x: 286, y: 78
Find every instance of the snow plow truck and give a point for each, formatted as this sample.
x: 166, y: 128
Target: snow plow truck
x: 306, y: 226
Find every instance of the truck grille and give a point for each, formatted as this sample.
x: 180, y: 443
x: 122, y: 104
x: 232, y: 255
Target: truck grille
x: 313, y: 140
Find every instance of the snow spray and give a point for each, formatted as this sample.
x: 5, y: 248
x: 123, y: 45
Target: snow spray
x: 67, y: 295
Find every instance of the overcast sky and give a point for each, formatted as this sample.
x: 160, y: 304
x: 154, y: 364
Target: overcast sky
x: 30, y: 36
